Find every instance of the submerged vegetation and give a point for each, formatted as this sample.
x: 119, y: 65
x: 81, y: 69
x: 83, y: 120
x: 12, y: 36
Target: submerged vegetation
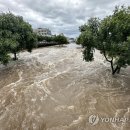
x: 111, y: 36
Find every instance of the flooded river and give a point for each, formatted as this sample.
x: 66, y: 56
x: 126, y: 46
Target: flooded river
x: 54, y: 89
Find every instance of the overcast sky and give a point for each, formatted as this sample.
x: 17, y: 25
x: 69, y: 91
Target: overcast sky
x: 60, y: 16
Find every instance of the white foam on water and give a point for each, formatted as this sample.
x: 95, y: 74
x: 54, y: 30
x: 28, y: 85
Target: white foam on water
x: 79, y: 120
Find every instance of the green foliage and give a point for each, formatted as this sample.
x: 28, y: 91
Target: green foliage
x: 59, y: 39
x: 45, y: 38
x: 6, y: 45
x: 111, y: 36
x: 88, y: 38
x: 15, y: 35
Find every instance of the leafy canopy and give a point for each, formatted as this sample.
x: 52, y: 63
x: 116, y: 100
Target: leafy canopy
x: 111, y: 36
x: 60, y: 39
x: 15, y: 35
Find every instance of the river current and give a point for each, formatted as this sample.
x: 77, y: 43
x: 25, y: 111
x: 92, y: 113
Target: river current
x: 54, y: 89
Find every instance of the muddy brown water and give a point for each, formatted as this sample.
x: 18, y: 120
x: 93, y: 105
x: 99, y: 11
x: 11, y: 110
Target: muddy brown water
x: 54, y: 89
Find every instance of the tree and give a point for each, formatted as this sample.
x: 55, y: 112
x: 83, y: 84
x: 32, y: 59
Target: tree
x: 45, y: 38
x: 111, y: 36
x: 15, y: 35
x: 60, y: 39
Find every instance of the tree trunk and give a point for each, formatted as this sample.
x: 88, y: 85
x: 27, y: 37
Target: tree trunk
x: 116, y: 70
x: 112, y: 68
x: 15, y: 56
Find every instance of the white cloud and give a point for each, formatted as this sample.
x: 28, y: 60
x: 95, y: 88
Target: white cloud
x: 61, y: 16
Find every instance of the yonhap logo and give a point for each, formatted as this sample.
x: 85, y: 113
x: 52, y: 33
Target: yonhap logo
x: 93, y: 119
